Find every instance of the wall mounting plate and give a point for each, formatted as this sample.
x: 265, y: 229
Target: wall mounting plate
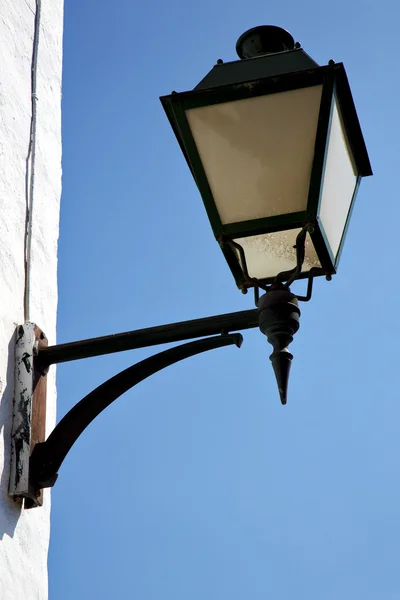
x: 29, y: 412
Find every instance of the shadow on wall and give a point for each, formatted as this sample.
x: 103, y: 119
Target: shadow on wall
x: 9, y: 510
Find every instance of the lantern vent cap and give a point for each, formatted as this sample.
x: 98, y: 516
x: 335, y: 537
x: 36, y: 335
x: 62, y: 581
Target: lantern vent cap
x: 262, y: 40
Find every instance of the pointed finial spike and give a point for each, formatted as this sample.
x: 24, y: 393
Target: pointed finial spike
x: 281, y: 362
x: 279, y: 320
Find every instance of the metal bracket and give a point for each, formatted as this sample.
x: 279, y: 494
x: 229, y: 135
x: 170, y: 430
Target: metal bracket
x: 35, y: 461
x: 29, y: 412
x: 48, y: 456
x: 33, y: 357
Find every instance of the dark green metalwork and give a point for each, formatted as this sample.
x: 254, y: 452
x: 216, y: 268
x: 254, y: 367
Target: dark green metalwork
x: 189, y: 149
x: 277, y: 316
x: 322, y: 248
x: 233, y: 263
x: 346, y: 227
x: 289, y: 276
x: 351, y: 122
x: 268, y: 74
x: 262, y: 86
x: 279, y: 321
x: 239, y: 71
x: 48, y: 456
x: 321, y: 147
x: 144, y: 338
x: 278, y: 312
x: 262, y: 40
x: 266, y: 225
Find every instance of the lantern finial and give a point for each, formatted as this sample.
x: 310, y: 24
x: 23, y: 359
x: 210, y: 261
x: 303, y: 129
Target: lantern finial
x: 279, y: 315
x: 281, y: 362
x: 262, y: 40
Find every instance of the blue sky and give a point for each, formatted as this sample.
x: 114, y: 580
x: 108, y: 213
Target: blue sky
x: 198, y: 483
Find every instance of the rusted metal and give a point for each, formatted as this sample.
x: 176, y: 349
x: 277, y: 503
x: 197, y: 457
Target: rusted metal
x: 47, y: 457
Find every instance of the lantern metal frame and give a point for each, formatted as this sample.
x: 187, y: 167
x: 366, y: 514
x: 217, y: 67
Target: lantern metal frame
x: 335, y: 85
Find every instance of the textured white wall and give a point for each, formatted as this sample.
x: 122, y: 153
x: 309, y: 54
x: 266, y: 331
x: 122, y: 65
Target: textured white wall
x: 24, y: 535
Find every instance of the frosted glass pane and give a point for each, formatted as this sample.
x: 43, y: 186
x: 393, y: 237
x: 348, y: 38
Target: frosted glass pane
x: 257, y: 153
x: 339, y: 183
x: 270, y: 253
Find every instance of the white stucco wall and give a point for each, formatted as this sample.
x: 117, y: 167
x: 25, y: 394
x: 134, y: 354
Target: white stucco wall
x: 24, y: 534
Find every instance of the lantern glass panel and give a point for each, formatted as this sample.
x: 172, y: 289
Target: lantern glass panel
x: 271, y: 253
x: 257, y: 153
x: 339, y: 182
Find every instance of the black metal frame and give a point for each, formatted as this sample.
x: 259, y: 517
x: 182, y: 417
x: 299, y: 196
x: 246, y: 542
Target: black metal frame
x: 334, y: 86
x: 48, y: 456
x: 284, y: 279
x: 144, y: 338
x: 278, y: 314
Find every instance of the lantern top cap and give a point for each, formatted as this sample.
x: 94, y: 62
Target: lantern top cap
x: 262, y: 40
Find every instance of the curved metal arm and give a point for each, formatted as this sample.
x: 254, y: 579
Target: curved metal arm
x: 48, y: 456
x: 290, y: 276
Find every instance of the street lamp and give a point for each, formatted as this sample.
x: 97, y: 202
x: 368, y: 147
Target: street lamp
x: 275, y: 147
x: 274, y: 144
